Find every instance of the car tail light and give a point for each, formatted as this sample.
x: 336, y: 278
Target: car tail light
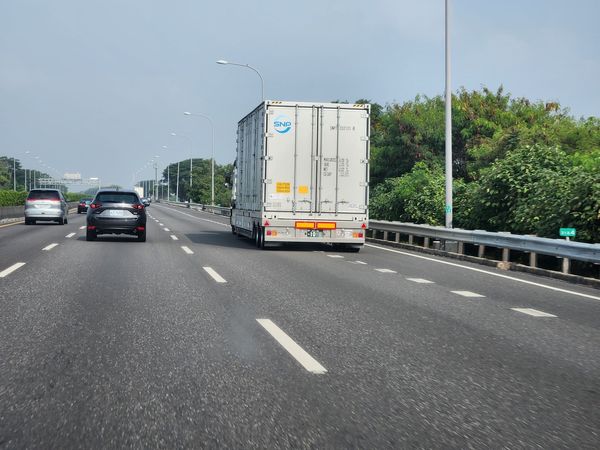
x: 95, y: 205
x: 137, y: 206
x: 140, y: 228
x: 91, y: 227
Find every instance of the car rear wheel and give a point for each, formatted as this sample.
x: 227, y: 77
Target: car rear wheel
x: 66, y: 220
x: 142, y: 237
x: 90, y: 235
x: 29, y: 222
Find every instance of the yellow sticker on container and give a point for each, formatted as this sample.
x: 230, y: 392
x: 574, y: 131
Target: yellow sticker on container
x: 303, y: 189
x: 283, y: 187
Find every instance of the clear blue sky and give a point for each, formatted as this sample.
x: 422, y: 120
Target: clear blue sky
x: 98, y: 86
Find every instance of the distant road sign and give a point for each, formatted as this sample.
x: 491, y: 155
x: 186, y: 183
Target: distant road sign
x: 76, y: 176
x: 568, y: 232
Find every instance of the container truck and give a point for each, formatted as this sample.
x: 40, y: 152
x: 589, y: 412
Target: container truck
x: 139, y: 190
x: 302, y: 174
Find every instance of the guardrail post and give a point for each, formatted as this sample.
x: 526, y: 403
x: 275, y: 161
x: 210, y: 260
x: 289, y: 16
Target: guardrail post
x: 533, y: 259
x: 397, y: 238
x: 505, y: 254
x: 426, y: 242
x: 481, y: 251
x: 566, y: 265
x: 385, y: 235
x: 461, y: 248
x: 411, y: 239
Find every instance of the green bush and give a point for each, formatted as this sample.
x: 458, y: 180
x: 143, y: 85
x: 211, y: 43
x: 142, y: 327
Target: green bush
x: 12, y: 198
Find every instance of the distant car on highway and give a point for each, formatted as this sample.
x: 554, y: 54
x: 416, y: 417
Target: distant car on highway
x: 83, y: 205
x: 46, y: 205
x: 146, y: 201
x: 116, y: 212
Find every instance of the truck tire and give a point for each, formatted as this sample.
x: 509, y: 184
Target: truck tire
x: 259, y: 239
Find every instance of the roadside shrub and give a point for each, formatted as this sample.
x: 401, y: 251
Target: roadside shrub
x: 12, y: 198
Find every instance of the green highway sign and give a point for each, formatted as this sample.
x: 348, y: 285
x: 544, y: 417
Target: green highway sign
x: 567, y: 232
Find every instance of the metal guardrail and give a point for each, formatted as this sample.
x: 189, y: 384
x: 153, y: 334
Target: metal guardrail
x: 219, y: 210
x: 532, y: 244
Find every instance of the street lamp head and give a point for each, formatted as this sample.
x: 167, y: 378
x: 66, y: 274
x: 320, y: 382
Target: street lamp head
x: 222, y: 61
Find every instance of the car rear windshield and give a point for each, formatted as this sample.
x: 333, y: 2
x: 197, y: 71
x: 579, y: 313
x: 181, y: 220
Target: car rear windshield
x: 117, y: 197
x: 43, y: 195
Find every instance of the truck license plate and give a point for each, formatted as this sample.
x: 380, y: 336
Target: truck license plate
x: 315, y: 233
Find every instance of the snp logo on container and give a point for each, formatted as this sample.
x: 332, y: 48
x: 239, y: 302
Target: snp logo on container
x: 282, y: 124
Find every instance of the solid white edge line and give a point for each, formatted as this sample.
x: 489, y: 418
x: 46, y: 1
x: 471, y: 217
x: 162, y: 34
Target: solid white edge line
x: 218, y: 278
x: 70, y: 235
x: 499, y: 275
x: 175, y: 238
x: 11, y: 269
x: 49, y: 247
x: 533, y: 312
x: 297, y: 352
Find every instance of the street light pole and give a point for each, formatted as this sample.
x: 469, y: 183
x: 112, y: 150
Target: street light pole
x: 177, y: 191
x: 262, y: 81
x: 190, y: 142
x: 212, y: 158
x: 448, y: 93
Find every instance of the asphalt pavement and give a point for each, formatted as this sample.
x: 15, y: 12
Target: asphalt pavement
x: 196, y: 339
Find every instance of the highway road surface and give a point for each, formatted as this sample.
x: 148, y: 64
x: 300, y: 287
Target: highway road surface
x: 196, y: 339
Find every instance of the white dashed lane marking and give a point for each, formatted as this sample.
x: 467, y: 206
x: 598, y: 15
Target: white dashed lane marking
x: 161, y: 224
x: 187, y: 250
x: 49, y: 247
x: 386, y: 270
x: 166, y: 229
x: 335, y: 256
x: 467, y: 294
x: 358, y: 262
x: 297, y: 352
x: 533, y: 312
x: 420, y: 280
x: 218, y: 278
x: 11, y: 269
x: 70, y: 235
x: 82, y: 227
x: 175, y: 238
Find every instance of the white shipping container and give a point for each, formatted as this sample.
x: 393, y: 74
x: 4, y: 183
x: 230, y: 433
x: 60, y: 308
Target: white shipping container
x: 302, y: 173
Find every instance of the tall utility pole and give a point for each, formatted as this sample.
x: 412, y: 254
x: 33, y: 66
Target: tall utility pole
x: 448, y: 93
x: 155, y: 181
x: 14, y: 174
x: 177, y: 188
x: 212, y: 158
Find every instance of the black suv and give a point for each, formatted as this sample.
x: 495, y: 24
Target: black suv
x: 116, y: 212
